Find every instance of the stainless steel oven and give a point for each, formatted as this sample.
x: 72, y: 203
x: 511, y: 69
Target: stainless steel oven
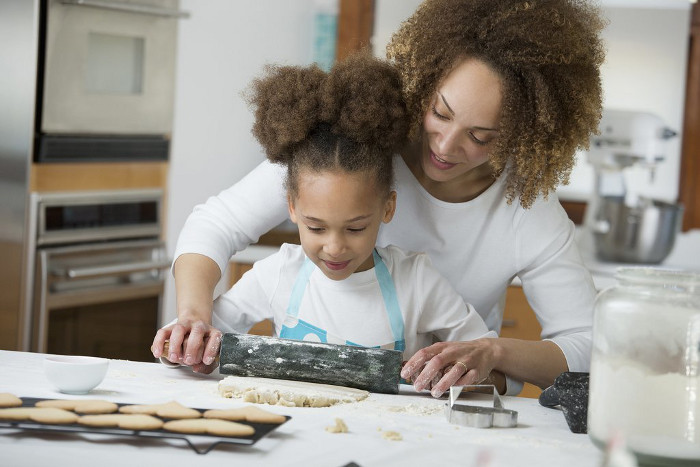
x: 107, y: 81
x: 98, y: 274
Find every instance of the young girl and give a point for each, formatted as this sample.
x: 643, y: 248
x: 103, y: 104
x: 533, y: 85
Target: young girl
x: 336, y: 134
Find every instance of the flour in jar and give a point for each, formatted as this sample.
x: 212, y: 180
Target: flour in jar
x: 658, y: 413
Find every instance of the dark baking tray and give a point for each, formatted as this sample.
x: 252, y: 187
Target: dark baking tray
x: 201, y: 444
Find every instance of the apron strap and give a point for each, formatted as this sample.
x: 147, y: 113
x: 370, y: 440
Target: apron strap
x: 391, y: 301
x: 299, y: 287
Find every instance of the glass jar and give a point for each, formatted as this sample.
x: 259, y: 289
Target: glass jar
x: 645, y: 368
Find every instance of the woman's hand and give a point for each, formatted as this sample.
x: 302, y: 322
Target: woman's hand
x: 446, y: 364
x: 193, y: 343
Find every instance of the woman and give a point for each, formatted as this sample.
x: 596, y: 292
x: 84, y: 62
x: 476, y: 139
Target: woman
x: 503, y: 93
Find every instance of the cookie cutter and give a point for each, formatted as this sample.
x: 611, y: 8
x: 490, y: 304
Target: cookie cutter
x: 478, y: 416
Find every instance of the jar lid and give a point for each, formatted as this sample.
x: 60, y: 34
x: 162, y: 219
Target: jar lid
x: 658, y: 276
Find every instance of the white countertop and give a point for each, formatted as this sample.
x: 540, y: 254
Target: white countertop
x: 541, y: 438
x: 684, y: 256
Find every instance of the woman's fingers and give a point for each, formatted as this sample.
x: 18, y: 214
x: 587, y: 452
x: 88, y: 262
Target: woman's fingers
x: 449, y: 379
x: 415, y: 365
x: 463, y: 379
x: 434, y: 367
x: 463, y: 363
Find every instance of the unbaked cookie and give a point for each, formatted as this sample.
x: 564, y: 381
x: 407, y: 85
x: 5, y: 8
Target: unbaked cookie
x: 209, y: 426
x: 126, y: 421
x: 9, y: 400
x: 172, y: 409
x: 250, y: 414
x: 81, y: 406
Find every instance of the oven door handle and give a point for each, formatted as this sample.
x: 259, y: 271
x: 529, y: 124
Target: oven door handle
x: 78, y: 273
x: 129, y: 8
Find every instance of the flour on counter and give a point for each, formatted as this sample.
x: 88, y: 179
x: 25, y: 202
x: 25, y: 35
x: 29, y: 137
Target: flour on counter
x: 392, y: 435
x: 287, y: 393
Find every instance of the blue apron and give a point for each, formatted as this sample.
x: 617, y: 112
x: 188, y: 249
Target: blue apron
x: 298, y: 329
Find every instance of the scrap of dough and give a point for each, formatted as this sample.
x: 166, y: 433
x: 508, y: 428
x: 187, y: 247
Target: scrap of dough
x: 288, y: 393
x: 339, y: 427
x: 392, y: 435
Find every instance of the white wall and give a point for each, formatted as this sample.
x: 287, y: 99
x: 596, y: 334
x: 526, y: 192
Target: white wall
x: 221, y: 48
x: 647, y: 42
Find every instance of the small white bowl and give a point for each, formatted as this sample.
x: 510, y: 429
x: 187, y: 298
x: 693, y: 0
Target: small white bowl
x: 75, y: 374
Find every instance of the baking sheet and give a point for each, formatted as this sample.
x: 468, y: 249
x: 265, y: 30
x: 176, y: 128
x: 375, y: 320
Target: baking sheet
x: 201, y: 444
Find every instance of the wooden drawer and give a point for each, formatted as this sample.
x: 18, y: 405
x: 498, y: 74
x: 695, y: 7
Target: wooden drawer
x: 236, y: 271
x: 520, y: 322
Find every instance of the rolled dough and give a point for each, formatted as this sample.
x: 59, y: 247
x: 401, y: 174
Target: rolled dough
x: 288, y: 393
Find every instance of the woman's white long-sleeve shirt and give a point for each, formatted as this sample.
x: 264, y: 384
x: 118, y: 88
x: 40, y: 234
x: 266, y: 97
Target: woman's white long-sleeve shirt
x: 479, y: 246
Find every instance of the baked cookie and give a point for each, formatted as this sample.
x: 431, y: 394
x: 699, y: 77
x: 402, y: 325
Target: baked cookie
x: 209, y: 426
x: 9, y: 400
x: 84, y: 406
x: 250, y: 414
x: 125, y: 421
x: 172, y: 409
x: 49, y: 415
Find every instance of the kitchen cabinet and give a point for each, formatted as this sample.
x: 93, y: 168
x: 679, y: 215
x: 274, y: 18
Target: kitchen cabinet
x: 97, y: 176
x: 520, y: 322
x: 236, y: 271
x: 689, y: 192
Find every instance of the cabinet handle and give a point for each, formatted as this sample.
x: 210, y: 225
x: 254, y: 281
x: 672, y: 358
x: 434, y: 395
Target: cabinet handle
x: 509, y: 323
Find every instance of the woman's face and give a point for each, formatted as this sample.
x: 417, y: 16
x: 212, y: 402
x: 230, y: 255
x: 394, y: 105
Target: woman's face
x: 338, y: 215
x: 462, y: 122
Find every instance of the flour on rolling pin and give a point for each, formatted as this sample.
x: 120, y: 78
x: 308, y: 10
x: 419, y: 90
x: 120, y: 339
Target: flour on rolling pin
x: 288, y: 393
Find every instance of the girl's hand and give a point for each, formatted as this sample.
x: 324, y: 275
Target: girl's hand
x: 446, y: 364
x: 193, y: 343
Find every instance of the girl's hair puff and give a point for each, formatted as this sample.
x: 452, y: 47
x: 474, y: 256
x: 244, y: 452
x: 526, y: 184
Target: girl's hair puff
x: 352, y: 118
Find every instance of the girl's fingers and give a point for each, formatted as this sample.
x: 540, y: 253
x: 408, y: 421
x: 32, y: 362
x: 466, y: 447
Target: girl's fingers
x: 211, y: 348
x: 177, y: 337
x: 159, y: 342
x: 198, y: 333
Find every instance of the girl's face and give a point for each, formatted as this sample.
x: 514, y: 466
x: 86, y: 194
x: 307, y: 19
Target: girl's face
x: 338, y: 215
x: 461, y: 124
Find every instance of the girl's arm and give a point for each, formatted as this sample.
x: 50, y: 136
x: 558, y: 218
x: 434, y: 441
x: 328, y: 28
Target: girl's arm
x: 215, y: 231
x: 193, y: 340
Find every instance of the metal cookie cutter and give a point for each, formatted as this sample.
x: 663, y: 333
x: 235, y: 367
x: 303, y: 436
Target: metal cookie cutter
x: 477, y: 416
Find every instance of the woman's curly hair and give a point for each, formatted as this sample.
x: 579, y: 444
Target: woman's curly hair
x: 352, y: 118
x: 547, y: 54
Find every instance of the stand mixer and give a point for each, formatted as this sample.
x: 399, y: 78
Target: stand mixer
x: 628, y: 227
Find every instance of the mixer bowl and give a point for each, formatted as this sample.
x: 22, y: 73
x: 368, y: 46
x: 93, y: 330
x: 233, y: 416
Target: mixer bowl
x: 644, y: 233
